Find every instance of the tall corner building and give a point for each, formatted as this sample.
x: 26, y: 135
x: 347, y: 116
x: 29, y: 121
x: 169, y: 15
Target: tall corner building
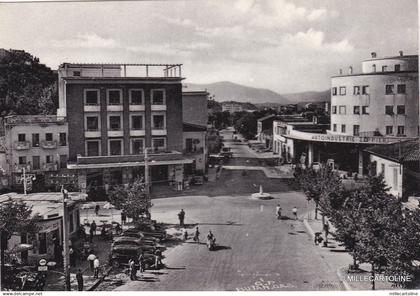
x: 114, y: 112
x: 382, y: 100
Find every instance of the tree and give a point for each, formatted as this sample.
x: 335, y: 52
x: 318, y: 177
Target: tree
x: 26, y: 85
x: 15, y: 217
x: 247, y: 126
x: 132, y: 200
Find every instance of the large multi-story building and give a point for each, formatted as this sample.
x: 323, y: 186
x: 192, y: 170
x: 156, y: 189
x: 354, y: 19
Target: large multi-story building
x: 382, y: 100
x: 115, y: 112
x: 36, y: 144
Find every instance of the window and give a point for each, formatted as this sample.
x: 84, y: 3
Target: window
x: 334, y: 109
x: 389, y: 89
x: 92, y: 148
x: 342, y: 90
x: 365, y: 89
x: 389, y: 110
x: 334, y: 127
x: 401, y: 88
x: 137, y: 146
x: 35, y: 140
x: 22, y: 159
x: 114, y: 96
x: 21, y: 137
x: 356, y: 109
x: 42, y: 237
x: 334, y: 91
x: 136, y: 122
x: 342, y: 110
x: 384, y: 68
x: 373, y: 68
x: 397, y: 68
x: 400, y: 109
x: 92, y: 123
x: 365, y: 109
x: 158, y: 122
x: 63, y: 139
x: 115, y: 147
x: 343, y: 128
x: 158, y: 143
x: 48, y: 159
x: 48, y: 137
x: 36, y: 162
x: 158, y: 97
x: 76, y: 73
x: 356, y: 90
x: 63, y: 161
x: 115, y: 122
x: 136, y: 96
x: 388, y: 130
x: 400, y: 130
x: 356, y: 129
x: 92, y: 97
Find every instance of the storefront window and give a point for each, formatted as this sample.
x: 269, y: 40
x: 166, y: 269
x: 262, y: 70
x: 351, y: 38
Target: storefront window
x: 42, y: 237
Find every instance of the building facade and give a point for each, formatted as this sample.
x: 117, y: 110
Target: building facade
x: 383, y: 100
x: 115, y: 112
x: 37, y: 145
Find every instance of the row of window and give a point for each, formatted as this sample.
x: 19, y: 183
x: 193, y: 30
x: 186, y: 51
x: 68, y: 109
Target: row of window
x: 116, y: 146
x: 92, y: 122
x: 36, y: 161
x: 364, y: 90
x: 389, y: 129
x: 62, y: 138
x: 389, y: 110
x: 115, y: 96
x: 397, y: 68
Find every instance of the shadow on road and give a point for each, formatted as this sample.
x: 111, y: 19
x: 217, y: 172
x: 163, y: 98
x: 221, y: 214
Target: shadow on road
x: 229, y: 223
x: 148, y: 279
x: 218, y: 248
x: 175, y: 268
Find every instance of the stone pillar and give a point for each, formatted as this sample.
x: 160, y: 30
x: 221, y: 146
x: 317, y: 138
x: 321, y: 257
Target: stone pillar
x: 81, y: 180
x: 310, y: 153
x: 360, y: 161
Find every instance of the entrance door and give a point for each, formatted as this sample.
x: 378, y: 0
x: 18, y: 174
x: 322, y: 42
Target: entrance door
x: 159, y: 174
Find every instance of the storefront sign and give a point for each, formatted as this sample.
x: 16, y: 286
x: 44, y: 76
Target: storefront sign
x: 49, y: 226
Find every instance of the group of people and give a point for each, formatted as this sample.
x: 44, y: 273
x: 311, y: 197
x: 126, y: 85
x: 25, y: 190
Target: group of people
x: 141, y: 266
x: 279, y: 210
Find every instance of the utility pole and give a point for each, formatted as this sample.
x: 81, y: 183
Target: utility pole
x: 66, y: 260
x: 146, y: 171
x: 24, y: 181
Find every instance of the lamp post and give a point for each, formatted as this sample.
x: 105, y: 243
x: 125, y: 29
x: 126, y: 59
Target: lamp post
x: 66, y: 240
x: 146, y: 171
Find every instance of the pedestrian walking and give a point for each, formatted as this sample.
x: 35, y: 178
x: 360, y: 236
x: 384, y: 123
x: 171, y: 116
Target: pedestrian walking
x: 96, y: 265
x: 91, y: 258
x: 158, y: 258
x: 72, y: 256
x: 278, y: 211
x: 92, y: 230
x: 197, y: 235
x: 185, y: 234
x: 123, y: 218
x: 142, y: 263
x: 318, y: 238
x: 326, y: 229
x: 294, y: 211
x: 97, y: 210
x: 79, y: 278
x: 181, y: 216
x: 132, y: 269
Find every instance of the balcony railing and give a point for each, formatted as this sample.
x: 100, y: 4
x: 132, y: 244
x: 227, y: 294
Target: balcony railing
x: 50, y: 167
x: 19, y: 168
x: 22, y: 145
x: 49, y: 144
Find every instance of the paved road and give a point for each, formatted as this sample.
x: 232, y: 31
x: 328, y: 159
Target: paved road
x: 254, y: 247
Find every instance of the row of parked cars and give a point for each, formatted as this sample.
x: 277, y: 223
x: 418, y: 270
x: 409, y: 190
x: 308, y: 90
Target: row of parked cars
x: 145, y: 237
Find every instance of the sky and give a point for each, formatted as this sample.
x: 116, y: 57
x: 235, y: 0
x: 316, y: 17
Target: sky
x: 284, y: 45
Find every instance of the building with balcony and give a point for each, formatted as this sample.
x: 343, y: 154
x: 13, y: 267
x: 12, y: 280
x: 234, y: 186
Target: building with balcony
x: 378, y: 106
x: 36, y: 144
x: 117, y: 111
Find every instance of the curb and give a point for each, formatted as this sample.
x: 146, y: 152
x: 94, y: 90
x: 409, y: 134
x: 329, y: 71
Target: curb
x: 98, y: 281
x: 340, y: 276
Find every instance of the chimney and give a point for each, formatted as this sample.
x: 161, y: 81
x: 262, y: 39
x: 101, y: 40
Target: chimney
x: 351, y: 70
x: 401, y: 53
x: 341, y: 71
x: 373, y: 54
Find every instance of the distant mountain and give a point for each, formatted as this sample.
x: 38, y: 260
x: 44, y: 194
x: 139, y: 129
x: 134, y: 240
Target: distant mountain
x: 309, y: 96
x: 228, y: 91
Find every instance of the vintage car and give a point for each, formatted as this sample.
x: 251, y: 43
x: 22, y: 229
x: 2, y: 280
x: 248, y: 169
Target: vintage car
x: 122, y: 253
x: 147, y: 247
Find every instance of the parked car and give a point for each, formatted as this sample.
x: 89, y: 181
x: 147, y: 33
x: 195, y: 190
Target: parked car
x: 137, y: 234
x: 225, y: 152
x: 122, y: 253
x: 135, y: 242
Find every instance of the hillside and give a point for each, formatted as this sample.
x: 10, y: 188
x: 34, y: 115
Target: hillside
x: 309, y: 96
x: 228, y: 91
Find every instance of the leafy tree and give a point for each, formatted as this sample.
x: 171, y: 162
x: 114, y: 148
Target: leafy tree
x: 220, y: 119
x: 132, y: 200
x: 247, y: 126
x: 26, y: 85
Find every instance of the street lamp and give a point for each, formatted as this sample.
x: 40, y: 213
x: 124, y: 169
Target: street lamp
x: 66, y: 254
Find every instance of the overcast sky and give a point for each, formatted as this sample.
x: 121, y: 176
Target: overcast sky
x: 284, y: 45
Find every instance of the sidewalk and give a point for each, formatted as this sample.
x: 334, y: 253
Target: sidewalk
x: 338, y: 258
